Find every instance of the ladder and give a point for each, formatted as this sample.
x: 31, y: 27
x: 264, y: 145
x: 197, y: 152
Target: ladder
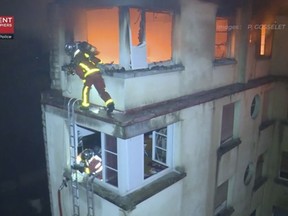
x: 73, y: 156
x: 90, y: 195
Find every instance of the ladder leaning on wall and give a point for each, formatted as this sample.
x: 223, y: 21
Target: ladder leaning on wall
x: 73, y: 160
x: 73, y: 156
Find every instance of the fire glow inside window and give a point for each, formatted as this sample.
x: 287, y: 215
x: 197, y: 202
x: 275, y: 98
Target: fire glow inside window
x: 158, y: 36
x: 224, y: 39
x: 155, y: 30
x: 266, y: 37
x: 103, y: 33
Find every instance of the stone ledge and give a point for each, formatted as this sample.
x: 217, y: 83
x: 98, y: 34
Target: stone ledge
x: 130, y: 201
x: 227, y: 146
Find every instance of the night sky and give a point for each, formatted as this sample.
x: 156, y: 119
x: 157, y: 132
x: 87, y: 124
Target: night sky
x: 24, y: 68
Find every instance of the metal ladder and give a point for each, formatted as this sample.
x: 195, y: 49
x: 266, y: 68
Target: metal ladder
x: 90, y: 195
x: 73, y: 156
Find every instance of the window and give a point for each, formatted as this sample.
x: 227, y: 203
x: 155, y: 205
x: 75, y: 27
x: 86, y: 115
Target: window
x: 127, y: 164
x: 104, y: 147
x: 151, y: 37
x: 220, y: 202
x: 283, y: 174
x: 265, y: 111
x: 103, y: 24
x: 255, y: 107
x: 157, y: 155
x: 259, y: 167
x: 227, y: 123
x: 110, y: 172
x: 260, y: 179
x: 248, y: 174
x: 265, y: 41
x: 224, y: 38
x: 136, y: 37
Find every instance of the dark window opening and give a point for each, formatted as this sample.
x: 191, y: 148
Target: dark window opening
x: 227, y: 123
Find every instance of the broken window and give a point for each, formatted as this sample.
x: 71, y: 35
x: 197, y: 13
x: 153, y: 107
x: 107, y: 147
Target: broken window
x: 158, y: 36
x: 151, y: 37
x: 145, y: 36
x: 224, y: 38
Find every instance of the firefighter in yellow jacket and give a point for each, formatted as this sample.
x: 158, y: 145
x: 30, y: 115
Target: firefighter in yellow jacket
x: 85, y: 64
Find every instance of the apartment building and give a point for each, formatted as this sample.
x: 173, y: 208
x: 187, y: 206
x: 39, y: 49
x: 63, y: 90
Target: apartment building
x: 201, y: 93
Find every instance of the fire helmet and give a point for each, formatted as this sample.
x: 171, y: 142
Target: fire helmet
x: 87, y: 154
x: 70, y: 48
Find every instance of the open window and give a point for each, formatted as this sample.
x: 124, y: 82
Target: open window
x: 103, y: 33
x: 126, y: 164
x: 151, y: 32
x: 130, y: 38
x: 103, y: 161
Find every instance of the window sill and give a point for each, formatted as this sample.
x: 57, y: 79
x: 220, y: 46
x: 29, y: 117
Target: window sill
x: 281, y: 182
x: 130, y: 201
x: 266, y: 124
x: 227, y: 146
x: 263, y: 57
x: 159, y: 69
x: 226, y: 212
x: 259, y: 182
x: 224, y: 61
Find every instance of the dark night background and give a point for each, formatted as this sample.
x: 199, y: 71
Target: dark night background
x: 24, y: 69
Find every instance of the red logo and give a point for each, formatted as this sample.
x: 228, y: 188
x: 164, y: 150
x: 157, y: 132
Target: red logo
x: 6, y: 27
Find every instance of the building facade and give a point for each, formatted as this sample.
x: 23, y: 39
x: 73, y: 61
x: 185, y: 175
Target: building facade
x: 200, y: 129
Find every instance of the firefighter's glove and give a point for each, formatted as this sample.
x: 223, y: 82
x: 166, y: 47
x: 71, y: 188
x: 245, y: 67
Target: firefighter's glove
x: 68, y: 68
x: 79, y: 167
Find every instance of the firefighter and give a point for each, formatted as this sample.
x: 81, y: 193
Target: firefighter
x: 85, y: 64
x: 89, y: 162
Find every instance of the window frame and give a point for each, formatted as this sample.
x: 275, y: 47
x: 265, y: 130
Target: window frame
x: 128, y: 51
x: 229, y: 57
x: 126, y: 181
x: 166, y: 148
x: 223, y: 205
x: 105, y: 165
x: 262, y: 52
x: 104, y: 179
x: 230, y: 127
